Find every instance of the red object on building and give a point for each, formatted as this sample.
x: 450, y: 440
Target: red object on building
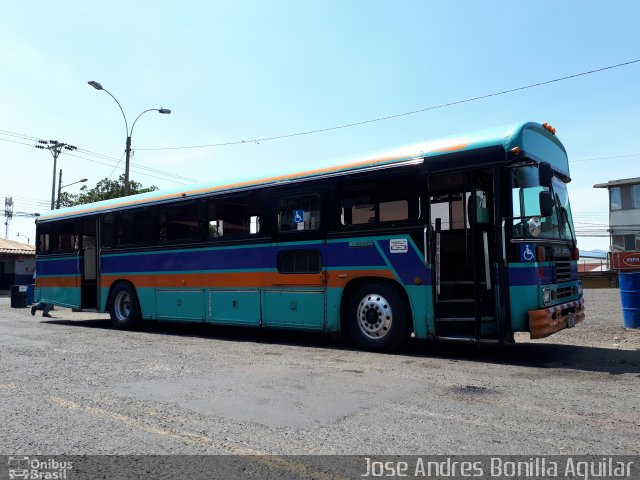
x: 626, y: 260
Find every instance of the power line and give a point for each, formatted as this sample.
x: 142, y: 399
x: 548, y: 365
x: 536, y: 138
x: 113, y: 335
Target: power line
x: 404, y: 114
x: 170, y: 176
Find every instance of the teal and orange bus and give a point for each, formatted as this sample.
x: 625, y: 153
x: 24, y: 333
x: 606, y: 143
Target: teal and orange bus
x: 465, y: 238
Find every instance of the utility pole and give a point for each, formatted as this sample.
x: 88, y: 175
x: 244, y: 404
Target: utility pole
x: 59, y: 189
x: 8, y: 214
x: 55, y: 147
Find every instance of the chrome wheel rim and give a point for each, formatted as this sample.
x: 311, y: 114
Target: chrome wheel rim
x: 122, y: 306
x: 374, y: 316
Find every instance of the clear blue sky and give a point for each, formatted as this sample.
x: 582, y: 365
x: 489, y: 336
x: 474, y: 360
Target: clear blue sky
x: 247, y: 69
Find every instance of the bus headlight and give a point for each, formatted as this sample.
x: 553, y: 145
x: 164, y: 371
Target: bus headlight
x: 546, y: 296
x: 580, y: 288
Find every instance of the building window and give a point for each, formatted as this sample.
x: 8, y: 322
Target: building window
x: 635, y: 193
x: 615, y: 198
x: 617, y: 243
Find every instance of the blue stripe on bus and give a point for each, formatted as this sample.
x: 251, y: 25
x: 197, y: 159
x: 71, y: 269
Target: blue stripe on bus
x: 408, y: 265
x: 245, y: 259
x: 337, y: 255
x: 523, y: 276
x: 57, y: 266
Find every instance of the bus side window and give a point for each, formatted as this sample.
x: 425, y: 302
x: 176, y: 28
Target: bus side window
x: 237, y: 215
x: 107, y: 230
x: 394, y: 198
x: 67, y: 236
x: 299, y: 213
x: 44, y: 238
x: 179, y: 223
x: 134, y: 227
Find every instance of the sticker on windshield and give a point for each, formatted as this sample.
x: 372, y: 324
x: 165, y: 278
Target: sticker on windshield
x: 527, y: 252
x: 398, y: 245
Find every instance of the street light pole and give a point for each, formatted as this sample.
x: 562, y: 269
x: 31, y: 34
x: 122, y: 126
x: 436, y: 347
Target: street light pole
x: 60, y: 187
x: 19, y: 235
x: 164, y: 111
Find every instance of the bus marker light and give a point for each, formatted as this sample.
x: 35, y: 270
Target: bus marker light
x: 515, y: 150
x: 417, y: 281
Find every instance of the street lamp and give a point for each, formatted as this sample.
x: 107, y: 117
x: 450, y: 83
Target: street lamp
x: 18, y: 235
x: 60, y: 186
x: 164, y: 111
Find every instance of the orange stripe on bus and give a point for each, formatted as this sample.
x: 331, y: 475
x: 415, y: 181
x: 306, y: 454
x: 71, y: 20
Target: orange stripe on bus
x: 450, y: 148
x: 335, y: 278
x: 57, y: 282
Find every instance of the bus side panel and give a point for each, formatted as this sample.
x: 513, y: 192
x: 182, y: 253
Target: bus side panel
x: 58, y: 281
x: 393, y: 258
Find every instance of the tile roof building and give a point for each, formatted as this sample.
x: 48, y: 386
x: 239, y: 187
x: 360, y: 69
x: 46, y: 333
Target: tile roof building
x: 17, y: 263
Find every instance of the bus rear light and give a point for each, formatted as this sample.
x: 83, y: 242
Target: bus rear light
x: 541, y: 254
x: 575, y: 253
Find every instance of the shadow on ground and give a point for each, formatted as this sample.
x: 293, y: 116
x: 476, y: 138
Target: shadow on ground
x: 541, y: 355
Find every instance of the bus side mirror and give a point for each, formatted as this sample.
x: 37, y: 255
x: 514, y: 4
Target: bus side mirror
x: 545, y: 174
x: 546, y: 204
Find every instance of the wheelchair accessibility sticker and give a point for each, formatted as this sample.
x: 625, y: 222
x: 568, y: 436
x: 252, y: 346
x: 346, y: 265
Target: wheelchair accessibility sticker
x: 527, y: 252
x: 298, y: 216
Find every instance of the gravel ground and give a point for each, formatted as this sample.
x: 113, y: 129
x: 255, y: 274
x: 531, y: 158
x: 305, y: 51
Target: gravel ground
x: 73, y: 385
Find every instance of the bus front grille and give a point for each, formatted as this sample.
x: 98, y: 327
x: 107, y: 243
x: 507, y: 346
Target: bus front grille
x: 563, y: 271
x: 564, y: 292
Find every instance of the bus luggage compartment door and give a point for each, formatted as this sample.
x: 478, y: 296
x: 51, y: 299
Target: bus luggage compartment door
x: 294, y: 308
x: 234, y: 307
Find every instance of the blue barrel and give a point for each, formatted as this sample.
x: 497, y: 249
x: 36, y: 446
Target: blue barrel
x: 630, y: 298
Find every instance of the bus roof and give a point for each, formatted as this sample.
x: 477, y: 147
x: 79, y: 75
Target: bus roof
x: 507, y: 137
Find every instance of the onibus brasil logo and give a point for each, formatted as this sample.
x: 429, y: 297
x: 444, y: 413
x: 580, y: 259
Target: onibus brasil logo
x: 30, y: 468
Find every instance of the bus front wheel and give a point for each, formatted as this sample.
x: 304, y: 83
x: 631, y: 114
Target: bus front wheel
x: 378, y: 317
x: 125, y: 310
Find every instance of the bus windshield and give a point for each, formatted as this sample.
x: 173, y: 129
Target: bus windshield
x: 527, y: 220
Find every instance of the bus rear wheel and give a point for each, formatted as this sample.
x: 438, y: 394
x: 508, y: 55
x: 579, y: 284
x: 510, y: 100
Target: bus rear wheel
x: 378, y: 317
x: 124, y: 308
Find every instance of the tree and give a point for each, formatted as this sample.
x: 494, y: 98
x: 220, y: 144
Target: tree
x: 104, y: 190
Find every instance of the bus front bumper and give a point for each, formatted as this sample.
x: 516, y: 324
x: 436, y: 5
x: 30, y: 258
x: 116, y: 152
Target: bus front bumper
x: 547, y: 321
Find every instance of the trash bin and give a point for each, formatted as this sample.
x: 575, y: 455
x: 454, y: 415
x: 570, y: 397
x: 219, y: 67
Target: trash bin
x: 30, y: 291
x: 630, y: 298
x: 18, y: 296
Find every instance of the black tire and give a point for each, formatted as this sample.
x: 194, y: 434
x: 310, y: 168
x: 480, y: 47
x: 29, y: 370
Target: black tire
x: 378, y: 317
x: 124, y: 307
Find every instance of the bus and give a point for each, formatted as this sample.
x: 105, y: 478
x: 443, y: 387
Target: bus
x: 467, y: 238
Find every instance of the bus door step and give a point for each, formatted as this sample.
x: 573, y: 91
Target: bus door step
x: 456, y: 326
x: 466, y: 339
